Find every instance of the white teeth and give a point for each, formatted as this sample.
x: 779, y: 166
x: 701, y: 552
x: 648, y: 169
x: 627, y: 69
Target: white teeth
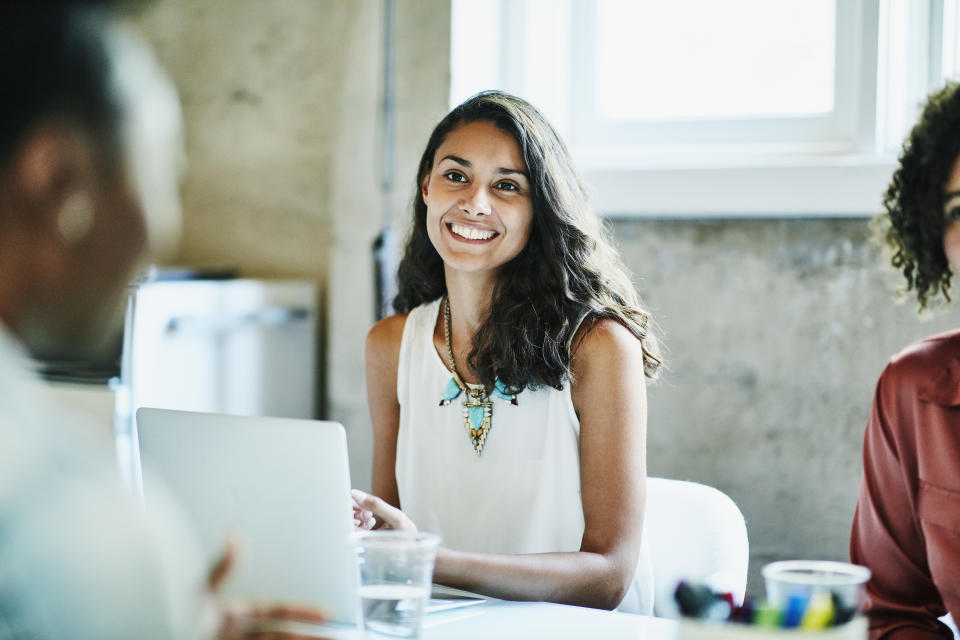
x: 470, y: 233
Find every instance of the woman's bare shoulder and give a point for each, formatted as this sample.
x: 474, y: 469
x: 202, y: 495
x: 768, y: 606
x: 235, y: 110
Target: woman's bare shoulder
x: 385, y: 336
x: 604, y: 349
x: 602, y: 338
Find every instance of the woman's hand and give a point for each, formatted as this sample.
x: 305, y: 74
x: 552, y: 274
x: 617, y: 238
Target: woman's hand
x: 387, y: 516
x: 251, y: 621
x: 363, y: 519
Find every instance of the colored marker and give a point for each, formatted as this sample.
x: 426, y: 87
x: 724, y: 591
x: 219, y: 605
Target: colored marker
x: 819, y: 613
x: 793, y: 611
x: 766, y: 615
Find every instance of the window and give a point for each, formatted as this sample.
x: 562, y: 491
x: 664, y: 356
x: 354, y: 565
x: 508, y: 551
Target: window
x: 919, y: 50
x: 698, y: 107
x: 713, y: 53
x: 716, y: 82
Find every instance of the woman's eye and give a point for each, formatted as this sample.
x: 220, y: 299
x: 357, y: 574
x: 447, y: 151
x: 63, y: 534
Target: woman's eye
x: 507, y: 186
x: 953, y: 213
x: 455, y: 176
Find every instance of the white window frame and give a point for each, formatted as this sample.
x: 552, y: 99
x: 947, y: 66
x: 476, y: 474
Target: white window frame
x: 890, y: 54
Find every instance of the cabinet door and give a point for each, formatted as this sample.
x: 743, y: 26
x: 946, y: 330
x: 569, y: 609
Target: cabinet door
x: 244, y: 347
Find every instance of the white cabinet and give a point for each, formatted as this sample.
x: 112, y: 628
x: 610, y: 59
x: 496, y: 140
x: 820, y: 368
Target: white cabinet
x: 232, y: 346
x: 245, y: 347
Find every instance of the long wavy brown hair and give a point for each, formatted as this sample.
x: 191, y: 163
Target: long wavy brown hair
x: 568, y: 269
x: 913, y: 220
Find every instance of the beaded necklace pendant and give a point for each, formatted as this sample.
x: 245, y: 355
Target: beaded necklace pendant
x: 477, y: 409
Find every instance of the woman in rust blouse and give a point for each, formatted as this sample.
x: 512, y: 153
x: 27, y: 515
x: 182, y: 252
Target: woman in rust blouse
x: 907, y: 525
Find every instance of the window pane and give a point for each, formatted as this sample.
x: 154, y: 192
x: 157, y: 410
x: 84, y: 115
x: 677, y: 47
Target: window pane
x: 950, y: 64
x: 709, y: 59
x: 474, y: 48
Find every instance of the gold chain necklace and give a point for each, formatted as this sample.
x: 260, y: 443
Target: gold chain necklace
x: 477, y: 405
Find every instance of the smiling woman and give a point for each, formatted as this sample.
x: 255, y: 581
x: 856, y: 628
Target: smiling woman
x: 520, y: 326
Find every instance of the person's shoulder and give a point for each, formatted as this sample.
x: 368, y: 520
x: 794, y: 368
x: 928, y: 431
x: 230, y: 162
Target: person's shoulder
x: 602, y: 333
x: 928, y: 366
x: 387, y: 333
x: 602, y: 339
x: 920, y: 355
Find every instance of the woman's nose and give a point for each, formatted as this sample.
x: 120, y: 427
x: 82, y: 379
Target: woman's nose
x: 477, y: 202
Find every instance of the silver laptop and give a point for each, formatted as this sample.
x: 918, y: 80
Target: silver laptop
x: 279, y: 485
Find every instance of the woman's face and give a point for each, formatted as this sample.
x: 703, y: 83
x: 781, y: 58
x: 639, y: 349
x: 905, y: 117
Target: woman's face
x: 477, y: 194
x: 951, y: 207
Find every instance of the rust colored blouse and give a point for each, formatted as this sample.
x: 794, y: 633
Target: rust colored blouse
x: 907, y: 524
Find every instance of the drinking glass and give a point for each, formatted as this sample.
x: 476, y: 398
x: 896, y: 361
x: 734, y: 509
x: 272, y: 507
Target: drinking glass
x: 396, y: 571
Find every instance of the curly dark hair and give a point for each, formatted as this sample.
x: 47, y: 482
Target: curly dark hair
x: 568, y: 268
x: 913, y: 221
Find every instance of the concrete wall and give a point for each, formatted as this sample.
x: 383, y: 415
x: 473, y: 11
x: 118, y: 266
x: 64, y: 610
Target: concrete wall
x: 263, y: 94
x: 281, y: 107
x: 776, y: 330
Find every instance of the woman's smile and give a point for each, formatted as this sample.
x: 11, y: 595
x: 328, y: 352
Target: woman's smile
x: 470, y: 233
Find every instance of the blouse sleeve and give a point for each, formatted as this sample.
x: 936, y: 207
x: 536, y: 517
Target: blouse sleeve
x: 902, y: 600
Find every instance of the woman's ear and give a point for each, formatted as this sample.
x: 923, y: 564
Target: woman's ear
x: 424, y: 186
x: 49, y: 208
x: 46, y: 173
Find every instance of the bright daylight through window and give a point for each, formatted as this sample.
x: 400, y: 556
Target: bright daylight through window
x: 698, y: 107
x: 714, y: 69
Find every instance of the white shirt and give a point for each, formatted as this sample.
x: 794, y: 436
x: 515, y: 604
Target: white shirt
x: 79, y: 558
x: 521, y: 495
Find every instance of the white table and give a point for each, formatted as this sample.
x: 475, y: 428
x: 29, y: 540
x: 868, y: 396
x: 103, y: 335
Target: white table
x: 502, y: 620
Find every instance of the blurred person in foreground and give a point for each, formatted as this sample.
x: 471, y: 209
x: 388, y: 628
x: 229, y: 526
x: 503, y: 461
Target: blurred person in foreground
x: 907, y: 524
x: 90, y: 139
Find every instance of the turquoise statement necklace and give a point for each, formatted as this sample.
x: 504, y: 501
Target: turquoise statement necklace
x: 477, y: 405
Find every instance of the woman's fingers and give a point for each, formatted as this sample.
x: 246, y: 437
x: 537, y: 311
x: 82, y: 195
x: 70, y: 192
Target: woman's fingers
x: 371, y: 502
x: 275, y: 635
x: 286, y: 612
x: 362, y: 518
x: 221, y: 568
x: 392, y: 517
x: 262, y: 622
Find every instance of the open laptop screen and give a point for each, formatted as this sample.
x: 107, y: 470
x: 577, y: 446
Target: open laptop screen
x: 280, y: 486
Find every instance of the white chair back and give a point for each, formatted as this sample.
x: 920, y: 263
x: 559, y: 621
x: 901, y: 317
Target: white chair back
x: 695, y: 533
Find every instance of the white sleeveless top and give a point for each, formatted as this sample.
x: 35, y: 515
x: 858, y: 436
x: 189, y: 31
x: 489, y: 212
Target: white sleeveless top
x: 522, y: 495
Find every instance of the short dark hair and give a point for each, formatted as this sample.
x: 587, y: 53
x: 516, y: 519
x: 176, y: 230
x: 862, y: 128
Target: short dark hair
x: 55, y: 64
x: 913, y: 221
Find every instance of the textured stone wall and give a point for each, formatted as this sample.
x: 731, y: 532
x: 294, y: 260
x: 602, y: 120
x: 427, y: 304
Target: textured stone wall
x: 776, y: 332
x: 262, y: 87
x: 281, y: 103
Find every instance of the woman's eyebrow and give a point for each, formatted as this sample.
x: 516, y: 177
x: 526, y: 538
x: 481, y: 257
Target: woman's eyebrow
x: 458, y: 160
x: 506, y: 171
